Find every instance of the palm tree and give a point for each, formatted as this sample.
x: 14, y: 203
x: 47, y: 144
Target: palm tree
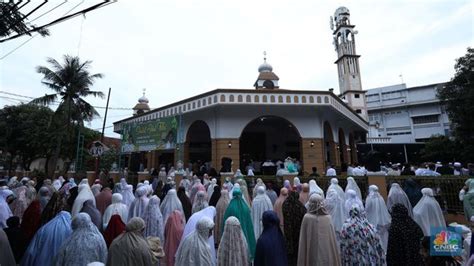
x: 71, y: 82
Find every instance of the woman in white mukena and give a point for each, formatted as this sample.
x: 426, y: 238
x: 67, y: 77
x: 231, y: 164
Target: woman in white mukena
x: 427, y: 212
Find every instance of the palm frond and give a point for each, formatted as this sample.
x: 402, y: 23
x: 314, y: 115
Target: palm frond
x: 52, y: 86
x: 45, y: 100
x: 87, y: 111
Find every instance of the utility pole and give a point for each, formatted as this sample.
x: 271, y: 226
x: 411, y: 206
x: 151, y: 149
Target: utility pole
x: 97, y: 160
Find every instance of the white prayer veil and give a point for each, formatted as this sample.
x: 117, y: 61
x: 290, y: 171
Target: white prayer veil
x: 84, y: 194
x: 117, y: 207
x: 260, y: 204
x: 335, y: 185
x: 127, y: 195
x: 314, y: 188
x: 233, y: 248
x: 194, y: 250
x: 427, y: 213
x: 210, y: 213
x: 334, y: 204
x: 396, y: 195
x: 352, y: 200
x: 351, y: 184
x: 170, y: 203
x: 375, y: 208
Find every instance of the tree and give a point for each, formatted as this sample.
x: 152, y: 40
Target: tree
x: 458, y: 97
x: 26, y: 132
x: 12, y: 20
x: 71, y: 82
x: 440, y: 148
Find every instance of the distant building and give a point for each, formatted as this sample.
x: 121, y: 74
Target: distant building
x: 401, y: 119
x: 406, y: 115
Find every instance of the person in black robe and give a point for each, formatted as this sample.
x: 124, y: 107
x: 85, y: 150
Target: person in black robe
x: 216, y: 195
x: 293, y: 213
x: 413, y: 191
x: 185, y: 202
x: 16, y: 237
x: 404, y: 239
x: 271, y: 247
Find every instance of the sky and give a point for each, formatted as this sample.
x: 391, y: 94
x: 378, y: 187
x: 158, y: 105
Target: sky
x: 178, y: 49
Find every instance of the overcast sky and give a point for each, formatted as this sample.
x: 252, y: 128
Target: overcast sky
x: 178, y: 49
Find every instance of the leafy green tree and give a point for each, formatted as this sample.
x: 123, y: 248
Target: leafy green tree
x: 71, y: 83
x: 458, y: 97
x: 440, y: 148
x: 26, y: 132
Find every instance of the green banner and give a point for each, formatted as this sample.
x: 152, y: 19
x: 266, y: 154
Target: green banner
x: 159, y: 134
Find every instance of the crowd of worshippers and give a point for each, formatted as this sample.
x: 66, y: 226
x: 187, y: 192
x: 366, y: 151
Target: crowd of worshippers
x: 397, y: 169
x: 202, y: 222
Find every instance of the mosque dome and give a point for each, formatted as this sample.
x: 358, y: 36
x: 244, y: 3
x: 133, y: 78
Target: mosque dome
x: 143, y: 99
x: 341, y: 11
x: 265, y: 67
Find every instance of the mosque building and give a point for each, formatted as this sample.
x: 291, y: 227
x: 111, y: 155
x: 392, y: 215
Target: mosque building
x: 317, y: 128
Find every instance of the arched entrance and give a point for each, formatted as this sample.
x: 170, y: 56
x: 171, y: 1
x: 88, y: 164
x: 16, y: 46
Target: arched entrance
x: 268, y: 138
x: 342, y: 149
x: 198, y: 143
x: 329, y: 145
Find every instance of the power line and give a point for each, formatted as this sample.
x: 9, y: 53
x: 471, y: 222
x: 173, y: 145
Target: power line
x: 56, y: 102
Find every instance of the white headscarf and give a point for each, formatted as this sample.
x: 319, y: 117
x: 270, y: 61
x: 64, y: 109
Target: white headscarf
x: 84, y: 194
x: 427, y: 212
x: 353, y: 200
x: 334, y: 204
x: 154, y: 219
x: 117, y: 207
x: 397, y: 195
x: 260, y: 204
x: 210, y: 188
x: 351, y: 184
x: 170, y: 203
x: 138, y: 206
x: 96, y: 189
x: 200, y: 202
x: 314, y: 188
x: 194, y: 250
x: 375, y: 208
x: 335, y: 185
x: 127, y: 195
x: 210, y: 213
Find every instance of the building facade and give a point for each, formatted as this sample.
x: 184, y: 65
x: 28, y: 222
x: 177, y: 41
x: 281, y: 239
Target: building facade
x: 398, y: 114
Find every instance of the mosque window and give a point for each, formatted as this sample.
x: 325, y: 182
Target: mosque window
x: 257, y: 99
x: 215, y: 99
x: 326, y: 99
x: 199, y: 104
x: 264, y: 98
x: 288, y: 99
x: 318, y: 99
x: 179, y: 109
x: 240, y: 98
x: 248, y: 98
x: 311, y: 99
x: 209, y: 100
x: 223, y: 98
x: 297, y: 100
x: 231, y: 98
x: 303, y: 99
x: 203, y: 102
x: 194, y: 105
x: 280, y: 99
x: 272, y: 99
x: 189, y: 106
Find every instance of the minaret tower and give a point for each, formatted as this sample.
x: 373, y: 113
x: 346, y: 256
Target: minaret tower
x: 266, y: 78
x: 350, y: 85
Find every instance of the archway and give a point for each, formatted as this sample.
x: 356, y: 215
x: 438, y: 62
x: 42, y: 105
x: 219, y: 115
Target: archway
x: 342, y: 149
x: 329, y: 145
x: 268, y: 138
x: 198, y: 143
